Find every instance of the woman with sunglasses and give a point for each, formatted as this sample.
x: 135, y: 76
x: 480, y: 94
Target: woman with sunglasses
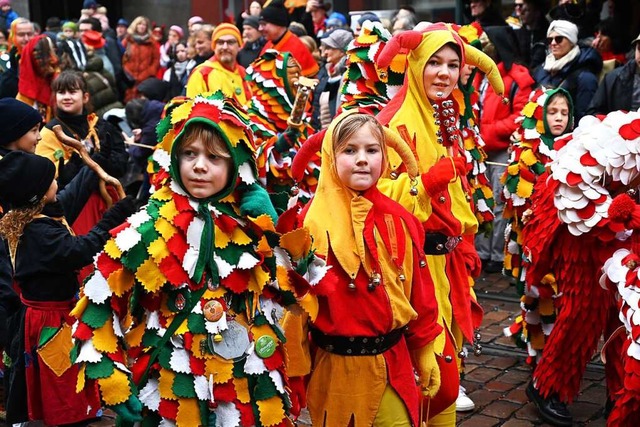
x: 570, y: 66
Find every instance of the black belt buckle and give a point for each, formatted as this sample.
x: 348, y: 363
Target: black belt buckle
x: 440, y: 244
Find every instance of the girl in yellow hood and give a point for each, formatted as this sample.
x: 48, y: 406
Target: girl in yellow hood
x: 377, y: 314
x: 425, y: 114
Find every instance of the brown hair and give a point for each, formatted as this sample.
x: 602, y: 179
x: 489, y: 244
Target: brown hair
x: 351, y: 124
x: 209, y: 137
x: 70, y: 80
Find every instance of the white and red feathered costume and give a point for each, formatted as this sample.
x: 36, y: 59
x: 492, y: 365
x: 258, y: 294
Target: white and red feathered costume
x: 571, y: 236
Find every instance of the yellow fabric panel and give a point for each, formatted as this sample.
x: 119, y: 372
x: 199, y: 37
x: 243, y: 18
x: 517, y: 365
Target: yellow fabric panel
x: 114, y: 389
x: 188, y: 413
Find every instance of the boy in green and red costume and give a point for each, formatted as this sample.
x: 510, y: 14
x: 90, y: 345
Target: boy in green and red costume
x: 180, y: 322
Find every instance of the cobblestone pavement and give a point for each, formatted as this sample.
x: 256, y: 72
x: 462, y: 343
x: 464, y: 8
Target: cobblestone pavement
x: 496, y: 380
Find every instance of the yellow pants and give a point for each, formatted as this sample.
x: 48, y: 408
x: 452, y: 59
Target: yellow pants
x: 446, y: 418
x: 392, y: 411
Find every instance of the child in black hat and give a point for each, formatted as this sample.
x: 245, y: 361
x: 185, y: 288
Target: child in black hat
x: 45, y: 255
x: 20, y: 124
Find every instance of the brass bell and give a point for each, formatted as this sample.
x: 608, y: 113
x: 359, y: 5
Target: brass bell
x: 402, y: 277
x: 413, y: 191
x: 477, y: 336
x: 295, y: 190
x: 448, y: 358
x: 423, y: 263
x: 217, y: 338
x: 352, y: 286
x: 477, y: 350
x: 462, y: 354
x: 442, y: 199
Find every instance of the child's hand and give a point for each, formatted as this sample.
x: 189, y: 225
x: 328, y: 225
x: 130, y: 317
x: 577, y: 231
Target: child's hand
x: 298, y: 395
x: 130, y: 411
x: 438, y: 177
x: 255, y: 201
x: 425, y: 363
x: 287, y: 140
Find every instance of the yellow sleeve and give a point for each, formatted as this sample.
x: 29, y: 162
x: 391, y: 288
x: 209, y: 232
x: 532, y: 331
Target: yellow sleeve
x: 49, y: 145
x: 399, y: 189
x: 196, y: 83
x: 296, y: 329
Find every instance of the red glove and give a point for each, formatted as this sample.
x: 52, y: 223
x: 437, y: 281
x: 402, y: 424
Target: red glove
x: 298, y: 395
x: 442, y: 173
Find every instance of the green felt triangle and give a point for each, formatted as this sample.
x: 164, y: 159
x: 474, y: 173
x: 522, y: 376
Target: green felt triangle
x: 102, y: 369
x: 96, y: 315
x: 183, y: 386
x: 46, y: 334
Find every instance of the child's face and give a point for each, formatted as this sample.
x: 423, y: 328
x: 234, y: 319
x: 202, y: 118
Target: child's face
x: 71, y: 101
x: 441, y: 73
x: 69, y: 33
x: 28, y: 141
x: 203, y: 174
x: 50, y: 195
x: 557, y: 115
x: 359, y: 162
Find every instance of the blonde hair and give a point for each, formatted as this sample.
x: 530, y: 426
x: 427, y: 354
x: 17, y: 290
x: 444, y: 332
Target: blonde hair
x: 13, y: 223
x: 353, y: 123
x: 209, y: 137
x: 132, y: 27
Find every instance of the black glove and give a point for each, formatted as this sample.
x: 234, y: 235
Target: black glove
x: 287, y: 140
x: 117, y: 213
x: 69, y: 169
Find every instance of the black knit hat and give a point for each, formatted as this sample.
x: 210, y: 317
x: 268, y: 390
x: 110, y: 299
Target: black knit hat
x: 16, y: 118
x: 275, y: 14
x: 24, y: 179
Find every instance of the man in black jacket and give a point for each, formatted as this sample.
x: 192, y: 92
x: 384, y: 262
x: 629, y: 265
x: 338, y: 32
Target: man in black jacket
x: 620, y: 89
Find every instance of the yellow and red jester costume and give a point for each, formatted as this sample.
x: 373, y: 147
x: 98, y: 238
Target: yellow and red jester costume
x: 430, y: 128
x: 182, y: 315
x: 377, y: 314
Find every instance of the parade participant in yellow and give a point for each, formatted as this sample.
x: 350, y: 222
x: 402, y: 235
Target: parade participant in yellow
x: 377, y: 314
x: 425, y: 114
x: 180, y: 324
x: 222, y: 71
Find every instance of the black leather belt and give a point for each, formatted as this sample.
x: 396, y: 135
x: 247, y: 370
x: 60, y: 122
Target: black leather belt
x: 356, y: 346
x: 440, y: 244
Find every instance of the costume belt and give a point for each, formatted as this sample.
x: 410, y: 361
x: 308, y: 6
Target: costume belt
x: 440, y: 244
x: 48, y: 305
x: 356, y: 346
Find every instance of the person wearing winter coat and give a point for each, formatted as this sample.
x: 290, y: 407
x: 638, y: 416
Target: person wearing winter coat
x: 141, y: 58
x: 326, y: 97
x: 101, y: 87
x: 497, y: 123
x: 620, y: 89
x: 46, y: 254
x: 572, y: 67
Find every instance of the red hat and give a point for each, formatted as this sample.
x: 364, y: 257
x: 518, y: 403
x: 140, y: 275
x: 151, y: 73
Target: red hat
x: 93, y: 39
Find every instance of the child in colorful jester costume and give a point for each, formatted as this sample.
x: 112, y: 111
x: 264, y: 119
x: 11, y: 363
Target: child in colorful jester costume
x: 273, y: 79
x: 366, y: 86
x: 377, y: 314
x: 179, y: 325
x: 425, y: 114
x: 547, y: 115
x: 570, y: 236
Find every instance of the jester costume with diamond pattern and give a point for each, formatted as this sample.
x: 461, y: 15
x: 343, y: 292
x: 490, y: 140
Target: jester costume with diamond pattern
x: 146, y: 323
x: 532, y: 150
x: 271, y: 105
